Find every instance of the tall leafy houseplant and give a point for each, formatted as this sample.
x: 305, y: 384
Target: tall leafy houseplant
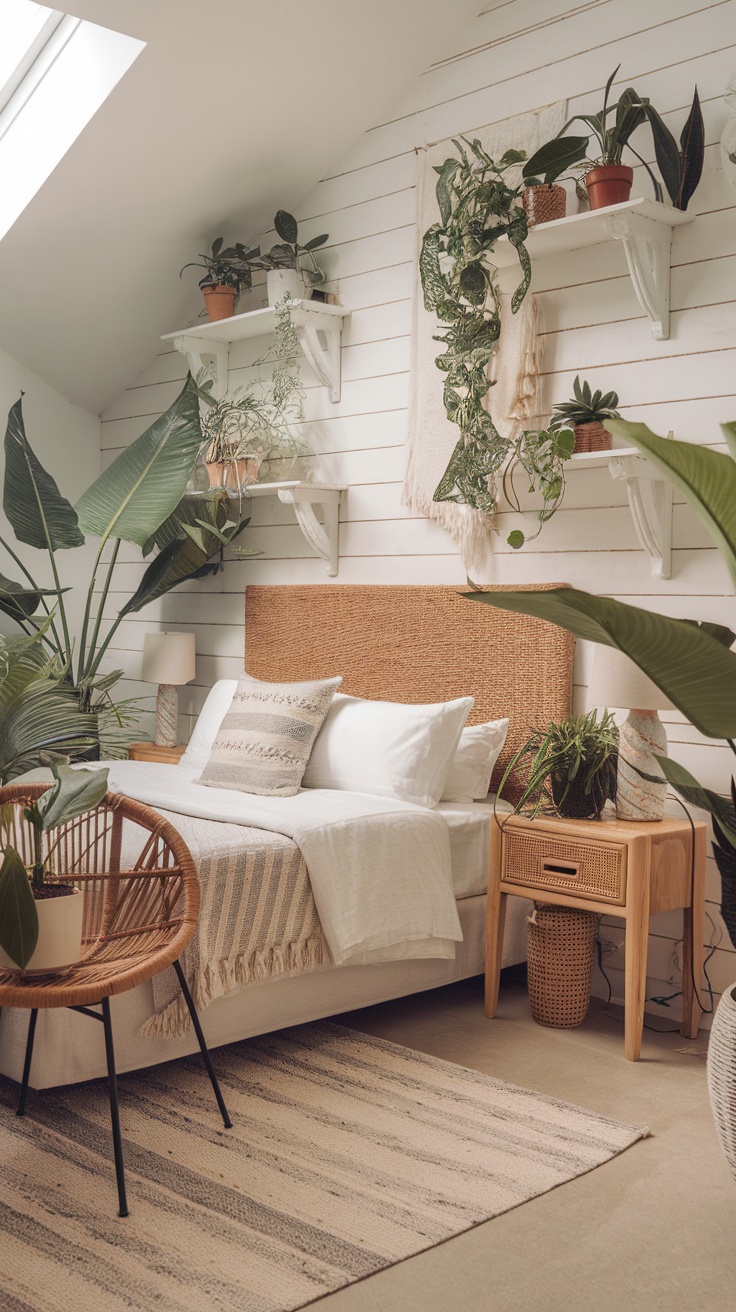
x: 690, y: 660
x: 137, y: 499
x: 459, y: 281
x: 38, y: 711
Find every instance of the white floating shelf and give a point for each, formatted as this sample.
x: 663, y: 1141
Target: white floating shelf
x: 644, y: 227
x: 318, y: 325
x: 323, y: 538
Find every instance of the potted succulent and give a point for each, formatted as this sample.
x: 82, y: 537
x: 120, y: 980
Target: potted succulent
x: 586, y: 413
x: 226, y: 272
x: 542, y: 453
x: 41, y: 921
x: 572, y: 767
x: 608, y: 180
x: 291, y: 269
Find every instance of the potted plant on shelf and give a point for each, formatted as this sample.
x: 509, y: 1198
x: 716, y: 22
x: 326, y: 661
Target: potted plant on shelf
x: 586, y: 413
x: 608, y: 180
x: 41, y: 921
x: 543, y: 198
x: 226, y: 272
x: 572, y: 767
x: 681, y: 166
x: 291, y: 269
x: 542, y: 453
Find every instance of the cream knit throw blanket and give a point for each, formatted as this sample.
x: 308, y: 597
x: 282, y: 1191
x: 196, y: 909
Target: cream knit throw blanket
x: 513, y: 400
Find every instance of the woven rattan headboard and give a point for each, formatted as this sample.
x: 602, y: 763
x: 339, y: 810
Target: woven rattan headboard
x: 414, y: 644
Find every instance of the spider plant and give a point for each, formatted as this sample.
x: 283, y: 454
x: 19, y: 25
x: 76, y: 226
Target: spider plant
x: 572, y: 767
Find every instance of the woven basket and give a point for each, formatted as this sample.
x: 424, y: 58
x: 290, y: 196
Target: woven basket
x: 543, y: 204
x: 722, y: 1074
x: 560, y: 943
x: 592, y: 437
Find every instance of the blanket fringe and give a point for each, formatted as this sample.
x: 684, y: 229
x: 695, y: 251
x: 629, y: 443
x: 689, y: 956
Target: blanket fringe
x: 218, y: 978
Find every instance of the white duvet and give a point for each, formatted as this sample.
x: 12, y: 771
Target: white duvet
x: 380, y: 869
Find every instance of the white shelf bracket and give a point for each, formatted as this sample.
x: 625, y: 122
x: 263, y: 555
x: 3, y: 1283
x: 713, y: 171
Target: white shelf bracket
x: 647, y: 246
x: 319, y: 338
x: 650, y: 502
x: 194, y: 348
x: 323, y: 538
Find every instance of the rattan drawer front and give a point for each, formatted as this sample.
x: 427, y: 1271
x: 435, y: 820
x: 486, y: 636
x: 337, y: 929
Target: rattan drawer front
x: 589, y: 869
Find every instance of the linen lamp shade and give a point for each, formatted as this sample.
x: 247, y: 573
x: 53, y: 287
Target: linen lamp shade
x: 168, y: 660
x: 617, y: 681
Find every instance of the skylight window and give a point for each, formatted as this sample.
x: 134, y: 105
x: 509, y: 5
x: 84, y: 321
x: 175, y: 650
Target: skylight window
x: 55, y: 73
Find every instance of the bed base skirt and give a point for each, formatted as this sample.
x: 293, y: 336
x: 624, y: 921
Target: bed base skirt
x: 69, y: 1050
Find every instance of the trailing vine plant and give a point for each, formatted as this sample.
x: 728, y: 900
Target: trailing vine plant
x: 459, y: 281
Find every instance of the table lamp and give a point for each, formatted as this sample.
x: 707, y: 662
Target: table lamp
x: 168, y: 660
x: 616, y: 681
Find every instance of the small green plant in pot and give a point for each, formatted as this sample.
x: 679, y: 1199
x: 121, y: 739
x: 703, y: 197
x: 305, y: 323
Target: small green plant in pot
x: 586, y: 414
x: 227, y: 271
x: 542, y: 454
x: 571, y: 767
x: 41, y: 922
x: 291, y: 268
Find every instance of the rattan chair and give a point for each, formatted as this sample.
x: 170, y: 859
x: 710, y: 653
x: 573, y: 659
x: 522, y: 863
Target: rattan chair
x: 141, y: 901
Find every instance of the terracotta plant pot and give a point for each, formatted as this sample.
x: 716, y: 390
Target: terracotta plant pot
x: 216, y: 472
x: 59, y: 934
x: 544, y: 203
x: 609, y: 185
x: 240, y: 473
x: 219, y: 301
x: 591, y: 437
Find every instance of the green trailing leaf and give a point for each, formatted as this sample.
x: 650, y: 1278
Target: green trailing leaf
x: 141, y: 488
x: 18, y: 601
x: 18, y: 915
x: 694, y: 793
x: 695, y: 670
x: 73, y: 792
x: 39, y: 514
x: 707, y: 478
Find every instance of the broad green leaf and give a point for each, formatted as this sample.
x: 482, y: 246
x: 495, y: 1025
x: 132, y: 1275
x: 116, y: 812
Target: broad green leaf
x: 692, y: 141
x: 177, y: 562
x: 39, y: 514
x: 694, y: 793
x: 729, y: 432
x: 19, y: 601
x: 18, y: 915
x: 286, y: 226
x: 707, y: 478
x: 693, y: 668
x: 314, y: 242
x: 72, y: 793
x: 141, y: 488
x: 516, y: 539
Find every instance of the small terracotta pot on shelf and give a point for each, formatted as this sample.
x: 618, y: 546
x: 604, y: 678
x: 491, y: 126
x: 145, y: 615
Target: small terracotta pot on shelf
x: 609, y: 185
x: 242, y: 472
x: 591, y: 437
x: 216, y: 473
x: 544, y: 203
x: 219, y: 301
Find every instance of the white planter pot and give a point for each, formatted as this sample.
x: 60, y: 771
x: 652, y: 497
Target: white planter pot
x: 722, y: 1074
x: 281, y: 281
x: 59, y: 935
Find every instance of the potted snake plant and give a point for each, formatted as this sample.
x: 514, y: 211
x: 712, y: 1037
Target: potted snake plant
x: 41, y: 919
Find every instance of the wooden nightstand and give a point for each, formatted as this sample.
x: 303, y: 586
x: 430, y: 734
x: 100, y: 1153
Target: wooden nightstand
x: 151, y: 752
x: 614, y: 867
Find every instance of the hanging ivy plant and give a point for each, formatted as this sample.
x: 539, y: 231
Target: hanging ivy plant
x: 459, y: 280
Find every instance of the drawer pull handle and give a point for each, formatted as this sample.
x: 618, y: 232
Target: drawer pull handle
x: 571, y: 869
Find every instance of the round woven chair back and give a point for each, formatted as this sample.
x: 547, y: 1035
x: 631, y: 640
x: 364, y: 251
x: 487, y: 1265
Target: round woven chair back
x: 141, y: 896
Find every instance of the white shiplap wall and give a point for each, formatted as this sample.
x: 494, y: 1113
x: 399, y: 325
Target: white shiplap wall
x: 516, y: 55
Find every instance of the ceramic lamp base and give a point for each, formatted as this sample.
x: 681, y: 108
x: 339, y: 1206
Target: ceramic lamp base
x: 167, y: 715
x: 640, y: 737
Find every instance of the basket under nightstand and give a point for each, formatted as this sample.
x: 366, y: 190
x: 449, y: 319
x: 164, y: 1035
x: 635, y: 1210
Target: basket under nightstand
x: 615, y: 867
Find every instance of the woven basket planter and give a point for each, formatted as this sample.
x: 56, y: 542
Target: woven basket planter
x: 543, y: 204
x: 592, y: 437
x: 560, y: 944
x: 722, y: 1074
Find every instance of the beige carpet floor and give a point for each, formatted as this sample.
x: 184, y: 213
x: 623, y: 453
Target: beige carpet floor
x: 348, y: 1154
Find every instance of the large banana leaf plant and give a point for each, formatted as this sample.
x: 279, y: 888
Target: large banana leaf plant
x: 690, y: 660
x: 137, y: 499
x: 39, y: 713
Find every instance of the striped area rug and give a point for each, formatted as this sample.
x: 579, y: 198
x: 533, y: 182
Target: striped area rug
x: 347, y: 1154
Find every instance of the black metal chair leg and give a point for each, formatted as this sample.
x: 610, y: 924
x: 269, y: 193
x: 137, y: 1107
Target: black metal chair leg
x: 203, y: 1046
x: 27, y: 1063
x: 112, y: 1085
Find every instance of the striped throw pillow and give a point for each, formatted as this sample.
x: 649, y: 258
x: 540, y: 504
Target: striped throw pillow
x: 264, y: 741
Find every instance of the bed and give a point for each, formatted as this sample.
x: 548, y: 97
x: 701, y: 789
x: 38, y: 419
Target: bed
x: 414, y: 644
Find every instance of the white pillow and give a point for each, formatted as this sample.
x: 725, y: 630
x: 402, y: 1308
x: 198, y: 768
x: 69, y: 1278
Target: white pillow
x: 469, y: 776
x: 388, y: 749
x: 211, y: 716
